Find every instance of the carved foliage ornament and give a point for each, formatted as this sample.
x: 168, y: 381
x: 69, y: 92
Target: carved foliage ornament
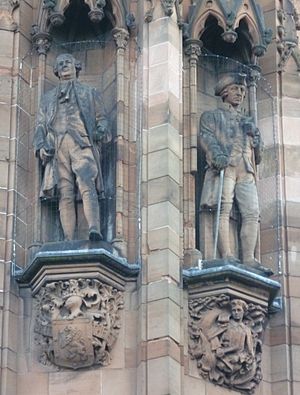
x: 77, y: 322
x: 226, y: 341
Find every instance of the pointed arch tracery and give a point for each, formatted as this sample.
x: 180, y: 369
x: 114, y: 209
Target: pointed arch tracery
x: 229, y: 20
x: 51, y: 13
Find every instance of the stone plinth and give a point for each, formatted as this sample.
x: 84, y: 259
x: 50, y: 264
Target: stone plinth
x: 78, y: 259
x: 79, y: 291
x: 227, y: 310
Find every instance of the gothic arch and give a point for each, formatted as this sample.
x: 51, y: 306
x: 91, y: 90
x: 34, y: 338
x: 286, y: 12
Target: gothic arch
x: 229, y: 20
x: 51, y: 13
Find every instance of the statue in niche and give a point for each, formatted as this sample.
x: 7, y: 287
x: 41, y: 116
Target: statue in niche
x: 225, y: 340
x: 71, y: 125
x: 233, y: 146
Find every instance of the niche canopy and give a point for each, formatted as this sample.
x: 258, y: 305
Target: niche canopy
x: 52, y: 12
x: 230, y: 26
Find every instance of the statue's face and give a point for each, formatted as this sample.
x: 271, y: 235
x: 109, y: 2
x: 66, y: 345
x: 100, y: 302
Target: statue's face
x: 66, y: 67
x: 237, y: 312
x: 235, y: 94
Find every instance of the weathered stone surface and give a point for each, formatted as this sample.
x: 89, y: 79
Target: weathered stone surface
x: 77, y: 322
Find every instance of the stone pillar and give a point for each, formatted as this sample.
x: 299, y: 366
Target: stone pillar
x: 190, y: 112
x: 280, y: 240
x: 121, y: 37
x: 160, y: 311
x: 41, y: 43
x: 9, y: 48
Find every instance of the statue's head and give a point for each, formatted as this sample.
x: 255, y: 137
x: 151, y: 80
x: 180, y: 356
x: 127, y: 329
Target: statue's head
x: 66, y: 67
x: 238, y: 309
x: 232, y: 88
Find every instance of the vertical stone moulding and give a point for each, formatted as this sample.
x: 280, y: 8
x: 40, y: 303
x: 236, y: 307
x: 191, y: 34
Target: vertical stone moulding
x: 121, y: 37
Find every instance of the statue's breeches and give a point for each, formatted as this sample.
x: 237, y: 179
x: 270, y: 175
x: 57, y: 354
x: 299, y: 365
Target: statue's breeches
x: 240, y: 184
x: 72, y: 160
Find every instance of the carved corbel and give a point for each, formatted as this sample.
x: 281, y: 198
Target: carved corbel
x: 41, y: 41
x: 97, y: 10
x: 56, y: 18
x: 228, y: 307
x: 287, y: 40
x: 168, y: 8
x: 77, y: 322
x: 192, y: 48
x: 121, y: 37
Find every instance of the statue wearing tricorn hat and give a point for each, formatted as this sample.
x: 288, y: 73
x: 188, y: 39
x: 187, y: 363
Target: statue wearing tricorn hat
x: 233, y: 146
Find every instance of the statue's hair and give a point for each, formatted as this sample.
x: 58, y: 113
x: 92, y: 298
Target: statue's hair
x: 78, y: 66
x: 239, y: 302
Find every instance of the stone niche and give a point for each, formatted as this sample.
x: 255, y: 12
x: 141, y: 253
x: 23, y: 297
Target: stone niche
x: 227, y: 312
x: 75, y: 297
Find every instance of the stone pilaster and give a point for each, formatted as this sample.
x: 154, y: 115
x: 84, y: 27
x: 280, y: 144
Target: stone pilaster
x: 161, y: 337
x: 9, y: 46
x: 192, y: 51
x: 121, y: 37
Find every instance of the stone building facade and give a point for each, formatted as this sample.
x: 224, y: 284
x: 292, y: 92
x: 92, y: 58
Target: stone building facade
x: 132, y: 313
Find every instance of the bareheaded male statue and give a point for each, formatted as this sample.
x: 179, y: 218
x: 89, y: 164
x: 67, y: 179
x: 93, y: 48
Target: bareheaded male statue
x: 71, y: 126
x: 233, y: 146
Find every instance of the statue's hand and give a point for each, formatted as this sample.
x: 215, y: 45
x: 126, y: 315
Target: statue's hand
x: 220, y: 161
x: 45, y: 155
x: 256, y: 139
x: 220, y: 352
x: 248, y: 126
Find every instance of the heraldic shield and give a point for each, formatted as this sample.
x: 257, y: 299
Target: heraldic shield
x: 77, y: 322
x: 73, y: 343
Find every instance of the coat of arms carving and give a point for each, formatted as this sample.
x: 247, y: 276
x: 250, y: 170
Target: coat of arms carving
x: 77, y: 322
x: 226, y: 340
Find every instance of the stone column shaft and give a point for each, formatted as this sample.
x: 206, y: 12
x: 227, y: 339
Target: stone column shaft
x: 161, y: 336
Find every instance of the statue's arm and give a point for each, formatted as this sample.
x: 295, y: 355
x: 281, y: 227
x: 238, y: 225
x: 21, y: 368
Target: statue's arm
x: 39, y: 140
x: 216, y: 155
x: 258, y: 146
x: 251, y: 130
x: 103, y: 132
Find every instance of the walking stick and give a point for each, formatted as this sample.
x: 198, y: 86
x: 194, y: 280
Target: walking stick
x: 217, y: 222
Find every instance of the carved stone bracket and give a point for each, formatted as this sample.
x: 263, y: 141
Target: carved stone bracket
x: 287, y: 39
x: 192, y: 48
x: 56, y: 11
x: 121, y: 37
x: 77, y: 322
x: 228, y: 307
x: 254, y: 76
x: 168, y: 7
x: 78, y: 288
x: 41, y: 41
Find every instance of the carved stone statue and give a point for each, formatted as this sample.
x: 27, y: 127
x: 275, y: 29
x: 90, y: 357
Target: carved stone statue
x: 225, y: 339
x: 77, y: 322
x: 233, y: 146
x: 71, y: 126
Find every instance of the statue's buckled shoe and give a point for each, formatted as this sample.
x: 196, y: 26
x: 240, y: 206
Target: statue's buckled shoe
x: 95, y: 235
